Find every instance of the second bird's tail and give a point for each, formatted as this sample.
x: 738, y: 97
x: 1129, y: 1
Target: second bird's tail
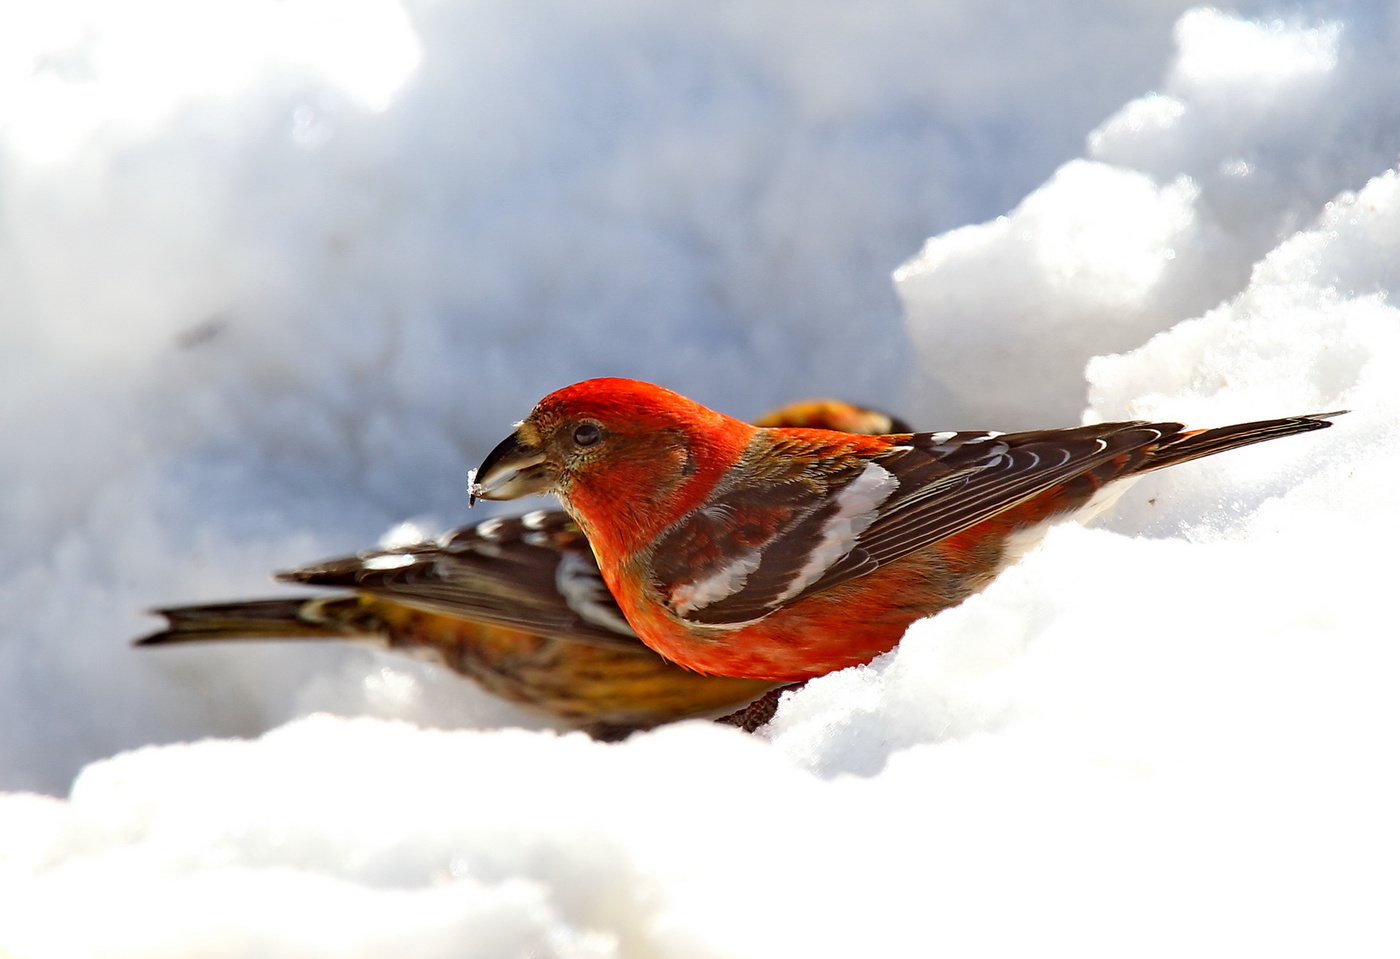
x: 338, y: 617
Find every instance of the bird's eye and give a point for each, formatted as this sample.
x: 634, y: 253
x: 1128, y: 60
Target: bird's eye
x: 587, y: 434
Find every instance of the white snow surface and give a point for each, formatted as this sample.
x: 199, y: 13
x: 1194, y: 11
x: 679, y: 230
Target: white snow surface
x: 275, y: 275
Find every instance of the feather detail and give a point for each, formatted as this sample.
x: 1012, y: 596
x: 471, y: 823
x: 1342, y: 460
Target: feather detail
x: 534, y: 573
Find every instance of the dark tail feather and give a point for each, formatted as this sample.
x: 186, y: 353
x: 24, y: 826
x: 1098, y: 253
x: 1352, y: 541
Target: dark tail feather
x: 304, y: 618
x: 1197, y: 443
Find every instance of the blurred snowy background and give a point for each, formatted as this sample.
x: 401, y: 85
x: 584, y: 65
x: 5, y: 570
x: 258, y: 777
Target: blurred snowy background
x: 274, y: 275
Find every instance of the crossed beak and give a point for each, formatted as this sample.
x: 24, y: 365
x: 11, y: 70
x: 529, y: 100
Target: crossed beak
x: 512, y: 470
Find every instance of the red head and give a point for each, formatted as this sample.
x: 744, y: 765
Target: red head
x: 640, y: 452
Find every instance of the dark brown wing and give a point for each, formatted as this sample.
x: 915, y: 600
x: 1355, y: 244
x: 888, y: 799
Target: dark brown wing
x: 930, y: 486
x: 990, y: 474
x: 534, y: 573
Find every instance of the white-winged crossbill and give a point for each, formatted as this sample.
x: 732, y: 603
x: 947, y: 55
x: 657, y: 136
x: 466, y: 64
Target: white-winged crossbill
x: 786, y: 553
x: 517, y: 605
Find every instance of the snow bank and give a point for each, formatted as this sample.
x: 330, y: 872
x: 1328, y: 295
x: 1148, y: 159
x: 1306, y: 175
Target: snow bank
x: 1171, y: 734
x: 1255, y: 127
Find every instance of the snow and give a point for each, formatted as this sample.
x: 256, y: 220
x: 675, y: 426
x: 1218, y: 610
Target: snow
x: 275, y: 277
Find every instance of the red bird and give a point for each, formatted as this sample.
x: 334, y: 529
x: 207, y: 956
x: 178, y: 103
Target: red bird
x: 786, y: 553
